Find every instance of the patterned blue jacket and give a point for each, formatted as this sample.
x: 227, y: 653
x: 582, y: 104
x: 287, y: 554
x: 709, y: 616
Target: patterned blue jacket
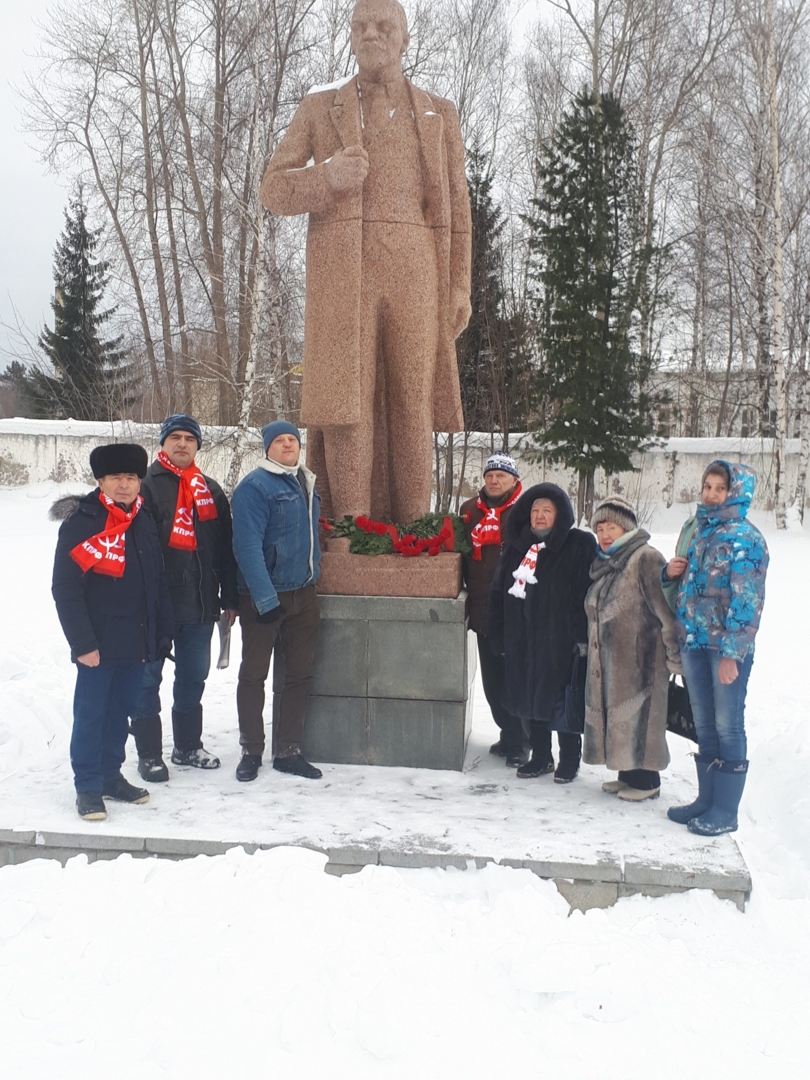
x: 721, y: 593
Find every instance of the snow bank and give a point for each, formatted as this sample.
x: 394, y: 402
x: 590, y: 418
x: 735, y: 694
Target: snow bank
x: 265, y: 966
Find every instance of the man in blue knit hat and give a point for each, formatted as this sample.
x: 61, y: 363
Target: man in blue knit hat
x: 194, y: 524
x: 275, y: 540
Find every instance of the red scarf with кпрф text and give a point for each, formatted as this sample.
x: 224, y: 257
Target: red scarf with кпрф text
x: 105, y: 552
x: 488, y: 529
x: 193, y: 494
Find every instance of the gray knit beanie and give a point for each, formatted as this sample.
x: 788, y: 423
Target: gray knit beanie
x: 617, y: 510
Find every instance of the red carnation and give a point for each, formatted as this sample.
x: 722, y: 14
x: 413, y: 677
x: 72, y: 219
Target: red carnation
x: 362, y: 522
x: 380, y: 529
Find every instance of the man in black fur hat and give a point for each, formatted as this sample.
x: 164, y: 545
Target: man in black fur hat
x: 116, y: 615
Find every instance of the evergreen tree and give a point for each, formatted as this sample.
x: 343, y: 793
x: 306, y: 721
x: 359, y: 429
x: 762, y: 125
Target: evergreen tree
x: 88, y: 376
x: 487, y: 349
x: 590, y: 261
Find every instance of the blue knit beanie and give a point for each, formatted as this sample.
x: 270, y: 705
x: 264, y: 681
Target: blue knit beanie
x: 180, y: 422
x: 501, y: 462
x: 279, y: 427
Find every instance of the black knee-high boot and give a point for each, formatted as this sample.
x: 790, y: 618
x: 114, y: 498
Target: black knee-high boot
x: 541, y: 760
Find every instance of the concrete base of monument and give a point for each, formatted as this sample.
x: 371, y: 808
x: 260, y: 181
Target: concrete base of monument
x: 393, y: 680
x: 427, y: 576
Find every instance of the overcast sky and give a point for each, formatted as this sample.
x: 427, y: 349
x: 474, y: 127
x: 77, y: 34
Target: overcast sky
x: 31, y: 201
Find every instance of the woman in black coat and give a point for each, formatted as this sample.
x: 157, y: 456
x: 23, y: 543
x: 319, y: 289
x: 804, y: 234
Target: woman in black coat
x: 536, y: 619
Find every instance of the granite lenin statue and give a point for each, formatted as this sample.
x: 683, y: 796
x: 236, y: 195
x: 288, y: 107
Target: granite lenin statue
x: 379, y: 167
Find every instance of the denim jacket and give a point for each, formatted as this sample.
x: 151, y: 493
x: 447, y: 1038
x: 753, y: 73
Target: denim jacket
x: 721, y: 594
x: 275, y: 534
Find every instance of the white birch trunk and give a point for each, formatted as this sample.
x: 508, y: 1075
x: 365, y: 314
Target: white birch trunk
x: 257, y: 299
x: 780, y: 499
x: 804, y: 440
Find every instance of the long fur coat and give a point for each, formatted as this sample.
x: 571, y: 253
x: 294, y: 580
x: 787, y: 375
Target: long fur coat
x: 631, y: 641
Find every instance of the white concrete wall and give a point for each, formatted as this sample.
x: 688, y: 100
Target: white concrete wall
x: 35, y: 451
x: 667, y: 476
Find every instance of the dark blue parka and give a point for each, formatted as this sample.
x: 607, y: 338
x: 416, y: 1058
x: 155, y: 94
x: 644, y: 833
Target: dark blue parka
x: 124, y: 618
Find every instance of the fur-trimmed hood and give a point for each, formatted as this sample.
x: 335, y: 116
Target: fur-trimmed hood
x: 519, y: 533
x: 68, y: 505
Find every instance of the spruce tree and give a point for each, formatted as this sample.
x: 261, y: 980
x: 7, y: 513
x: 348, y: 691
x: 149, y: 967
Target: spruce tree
x: 487, y: 351
x: 590, y: 262
x: 88, y: 372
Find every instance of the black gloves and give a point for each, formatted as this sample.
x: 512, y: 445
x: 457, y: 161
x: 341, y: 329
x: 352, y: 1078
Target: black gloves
x: 271, y: 616
x: 164, y: 649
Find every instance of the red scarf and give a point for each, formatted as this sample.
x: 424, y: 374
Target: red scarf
x: 488, y: 530
x: 105, y: 552
x: 193, y: 494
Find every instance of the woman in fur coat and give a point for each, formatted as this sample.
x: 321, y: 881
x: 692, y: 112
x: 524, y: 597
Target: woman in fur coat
x: 536, y: 618
x: 632, y: 647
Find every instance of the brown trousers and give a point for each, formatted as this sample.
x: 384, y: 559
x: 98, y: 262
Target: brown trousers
x: 297, y: 633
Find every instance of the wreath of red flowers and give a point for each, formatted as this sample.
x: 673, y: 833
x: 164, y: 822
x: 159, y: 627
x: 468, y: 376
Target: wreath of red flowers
x: 408, y: 545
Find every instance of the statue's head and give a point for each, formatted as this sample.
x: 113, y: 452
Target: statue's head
x: 379, y: 35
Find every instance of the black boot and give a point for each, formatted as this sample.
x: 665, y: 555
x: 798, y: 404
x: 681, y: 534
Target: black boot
x: 122, y: 791
x: 517, y: 752
x: 187, y: 728
x: 153, y: 770
x: 197, y: 759
x: 541, y: 761
x: 297, y: 765
x: 148, y: 734
x: 570, y: 754
x: 248, y: 767
x: 90, y: 806
x: 499, y: 748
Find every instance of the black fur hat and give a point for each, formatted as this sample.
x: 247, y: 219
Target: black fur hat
x: 119, y: 458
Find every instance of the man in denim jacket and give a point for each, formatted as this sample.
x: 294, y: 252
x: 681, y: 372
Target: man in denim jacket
x: 275, y: 541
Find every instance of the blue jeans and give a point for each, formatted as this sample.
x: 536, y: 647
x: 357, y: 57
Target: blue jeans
x: 719, y: 710
x: 192, y: 662
x: 104, y: 698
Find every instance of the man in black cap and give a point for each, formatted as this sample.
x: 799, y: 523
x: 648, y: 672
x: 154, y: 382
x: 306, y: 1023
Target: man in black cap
x: 116, y: 615
x: 194, y: 524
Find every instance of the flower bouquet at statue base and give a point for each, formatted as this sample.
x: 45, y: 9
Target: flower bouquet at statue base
x: 363, y: 557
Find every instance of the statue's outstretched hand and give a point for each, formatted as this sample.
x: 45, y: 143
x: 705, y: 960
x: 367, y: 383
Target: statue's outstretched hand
x: 346, y: 171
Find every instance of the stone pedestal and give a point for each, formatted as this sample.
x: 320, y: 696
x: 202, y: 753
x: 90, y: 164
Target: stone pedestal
x: 393, y: 682
x: 342, y: 574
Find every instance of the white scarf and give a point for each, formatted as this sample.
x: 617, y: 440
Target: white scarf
x: 524, y: 575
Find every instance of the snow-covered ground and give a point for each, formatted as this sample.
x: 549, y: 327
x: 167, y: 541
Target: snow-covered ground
x: 263, y: 965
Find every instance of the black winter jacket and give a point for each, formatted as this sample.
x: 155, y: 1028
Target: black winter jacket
x: 124, y: 618
x: 202, y: 582
x: 537, y: 635
x: 478, y: 575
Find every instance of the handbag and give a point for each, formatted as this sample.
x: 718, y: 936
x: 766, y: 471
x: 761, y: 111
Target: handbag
x: 679, y: 710
x: 575, y: 694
